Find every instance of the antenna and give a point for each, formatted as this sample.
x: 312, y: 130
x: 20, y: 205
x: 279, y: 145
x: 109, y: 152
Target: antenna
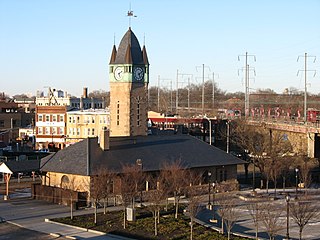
x: 130, y: 15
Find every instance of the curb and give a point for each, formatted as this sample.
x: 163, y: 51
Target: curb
x: 75, y: 227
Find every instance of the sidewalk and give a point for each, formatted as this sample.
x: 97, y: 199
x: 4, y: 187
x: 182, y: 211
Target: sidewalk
x: 31, y: 214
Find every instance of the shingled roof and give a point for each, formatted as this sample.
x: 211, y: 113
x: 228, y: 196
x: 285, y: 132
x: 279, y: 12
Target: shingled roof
x: 86, y: 157
x: 129, y: 51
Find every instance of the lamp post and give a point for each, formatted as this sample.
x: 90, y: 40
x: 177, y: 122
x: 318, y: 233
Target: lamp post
x: 288, y: 200
x: 210, y: 130
x: 297, y: 170
x: 209, y: 190
x: 228, y: 134
x: 140, y: 164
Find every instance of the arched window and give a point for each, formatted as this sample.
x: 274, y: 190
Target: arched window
x: 65, y: 181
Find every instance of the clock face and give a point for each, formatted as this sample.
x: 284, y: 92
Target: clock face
x: 138, y: 73
x: 118, y: 73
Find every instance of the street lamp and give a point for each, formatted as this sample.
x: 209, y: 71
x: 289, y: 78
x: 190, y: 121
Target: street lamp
x: 297, y: 170
x: 288, y: 200
x: 140, y: 164
x: 228, y: 134
x: 210, y: 130
x: 209, y: 188
x: 213, y: 220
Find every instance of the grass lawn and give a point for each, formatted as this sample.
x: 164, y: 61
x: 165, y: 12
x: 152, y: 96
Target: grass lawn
x: 169, y: 228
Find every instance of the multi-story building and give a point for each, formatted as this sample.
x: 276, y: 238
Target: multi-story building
x: 86, y: 123
x: 60, y: 98
x: 50, y: 127
x: 11, y: 119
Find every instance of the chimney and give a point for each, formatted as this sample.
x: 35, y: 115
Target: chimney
x: 105, y: 139
x: 85, y: 92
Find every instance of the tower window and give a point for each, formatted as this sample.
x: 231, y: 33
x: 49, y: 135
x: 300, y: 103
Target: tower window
x: 138, y: 113
x: 118, y: 113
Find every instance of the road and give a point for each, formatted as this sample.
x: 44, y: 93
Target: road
x: 31, y: 214
x: 245, y: 226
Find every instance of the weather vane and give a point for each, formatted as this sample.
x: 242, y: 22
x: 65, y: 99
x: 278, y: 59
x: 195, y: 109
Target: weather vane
x: 130, y: 15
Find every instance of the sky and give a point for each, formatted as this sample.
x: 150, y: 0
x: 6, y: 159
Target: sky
x: 66, y: 44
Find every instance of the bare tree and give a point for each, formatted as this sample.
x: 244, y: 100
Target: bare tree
x: 96, y: 193
x: 270, y: 216
x: 155, y: 197
x: 193, y: 199
x: 107, y: 178
x: 70, y: 184
x: 228, y: 212
x: 262, y: 143
x: 255, y: 213
x: 175, y: 177
x: 127, y: 189
x: 305, y: 165
x: 302, y: 212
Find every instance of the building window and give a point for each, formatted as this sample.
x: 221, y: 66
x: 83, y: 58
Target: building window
x: 40, y: 130
x: 73, y: 119
x: 70, y: 119
x: 54, y: 130
x: 78, y: 131
x: 92, y: 120
x: 88, y: 131
x: 118, y: 113
x: 92, y: 131
x: 138, y: 113
x: 40, y: 118
x: 54, y: 118
x: 47, y: 118
x: 78, y: 119
x: 1, y: 123
x: 61, y: 118
x: 61, y: 130
x: 70, y: 131
x: 47, y: 130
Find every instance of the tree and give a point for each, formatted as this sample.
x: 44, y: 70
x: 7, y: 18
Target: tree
x: 193, y: 199
x: 70, y: 184
x: 264, y: 145
x: 155, y: 197
x: 270, y: 216
x: 302, y: 212
x: 96, y: 193
x: 127, y: 189
x: 106, y: 177
x: 305, y: 165
x: 255, y: 213
x: 228, y: 212
x: 175, y: 176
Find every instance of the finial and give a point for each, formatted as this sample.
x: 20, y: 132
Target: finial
x: 130, y: 14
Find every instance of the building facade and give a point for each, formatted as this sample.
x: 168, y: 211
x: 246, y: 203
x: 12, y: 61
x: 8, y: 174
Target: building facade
x: 82, y: 124
x: 50, y: 127
x: 59, y: 98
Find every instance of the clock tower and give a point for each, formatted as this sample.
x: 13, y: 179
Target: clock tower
x: 129, y: 78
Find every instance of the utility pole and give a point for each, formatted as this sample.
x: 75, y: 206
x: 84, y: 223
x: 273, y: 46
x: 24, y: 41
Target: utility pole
x: 202, y: 101
x: 160, y: 80
x: 213, y: 88
x: 246, y: 101
x: 305, y: 82
x: 183, y: 75
x: 158, y: 93
x: 177, y: 94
